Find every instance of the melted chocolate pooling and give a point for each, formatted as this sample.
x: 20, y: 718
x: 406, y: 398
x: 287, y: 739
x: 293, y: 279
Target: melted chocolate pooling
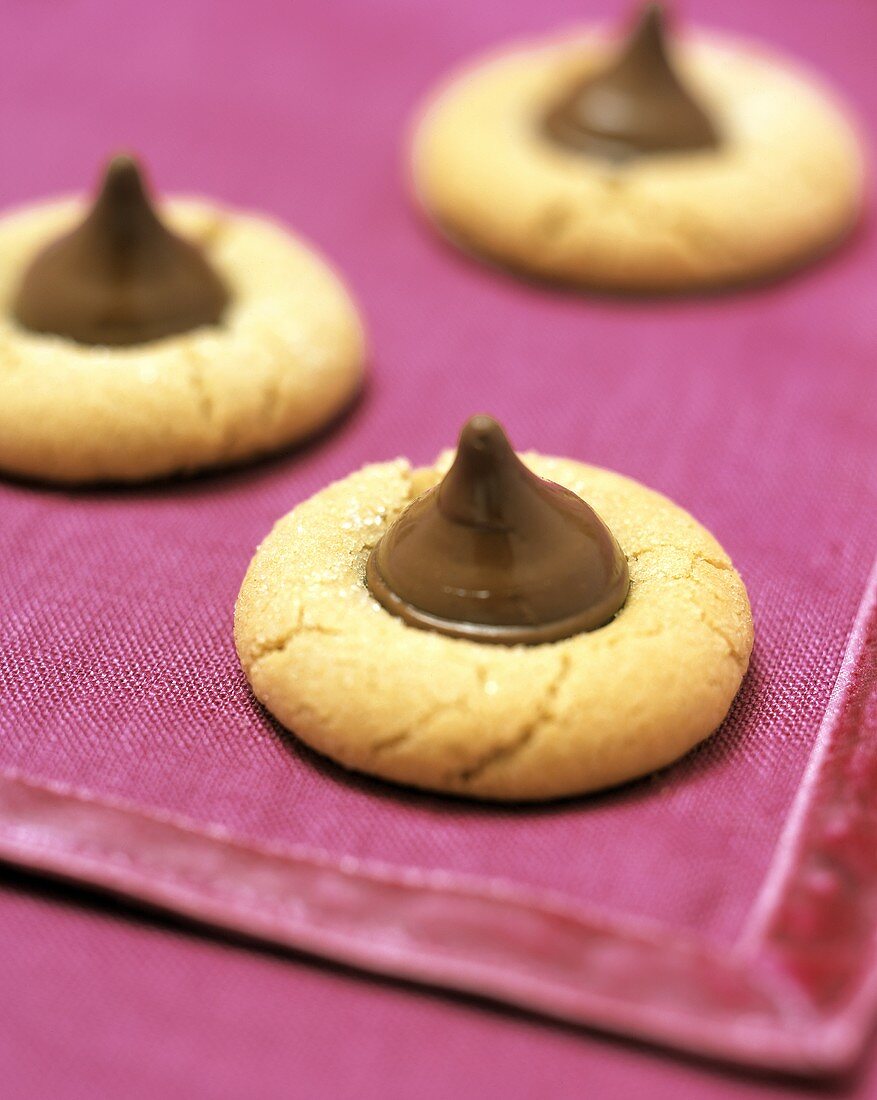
x: 496, y: 554
x: 636, y: 105
x: 121, y: 277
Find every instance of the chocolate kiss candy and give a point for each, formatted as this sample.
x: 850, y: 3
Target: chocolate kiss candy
x: 637, y: 105
x: 121, y: 277
x: 496, y: 554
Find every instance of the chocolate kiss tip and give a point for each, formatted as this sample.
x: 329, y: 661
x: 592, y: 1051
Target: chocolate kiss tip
x: 481, y: 429
x: 121, y: 277
x: 123, y: 169
x: 121, y: 164
x: 482, y: 439
x: 636, y: 105
x: 478, y: 490
x: 653, y: 15
x: 649, y: 33
x: 495, y: 554
x: 123, y: 188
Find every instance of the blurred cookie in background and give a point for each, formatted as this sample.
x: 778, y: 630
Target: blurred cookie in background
x: 646, y: 163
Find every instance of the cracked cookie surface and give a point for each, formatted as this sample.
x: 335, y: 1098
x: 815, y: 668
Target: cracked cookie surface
x: 785, y: 184
x: 286, y: 359
x: 490, y: 721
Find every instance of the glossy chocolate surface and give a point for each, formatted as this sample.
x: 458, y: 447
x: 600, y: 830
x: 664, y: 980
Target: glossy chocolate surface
x: 496, y: 554
x: 637, y: 105
x: 120, y: 277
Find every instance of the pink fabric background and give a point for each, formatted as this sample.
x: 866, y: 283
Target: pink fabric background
x: 755, y: 411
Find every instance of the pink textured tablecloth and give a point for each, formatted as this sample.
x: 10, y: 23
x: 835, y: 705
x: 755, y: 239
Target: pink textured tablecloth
x: 120, y: 685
